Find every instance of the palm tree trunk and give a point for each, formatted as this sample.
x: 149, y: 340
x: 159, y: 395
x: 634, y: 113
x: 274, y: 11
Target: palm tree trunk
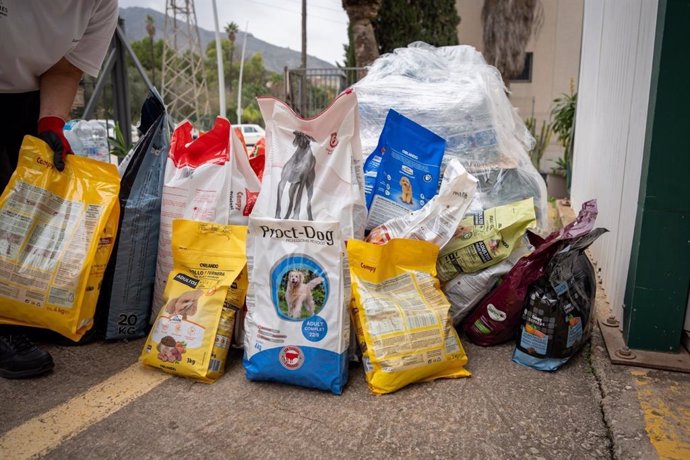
x: 361, y: 13
x: 232, y: 52
x: 303, y: 66
x: 153, y: 63
x: 507, y: 28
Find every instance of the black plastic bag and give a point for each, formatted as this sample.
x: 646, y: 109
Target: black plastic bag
x: 557, y: 315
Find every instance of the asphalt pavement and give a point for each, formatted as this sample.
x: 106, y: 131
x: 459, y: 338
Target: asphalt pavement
x: 99, y: 403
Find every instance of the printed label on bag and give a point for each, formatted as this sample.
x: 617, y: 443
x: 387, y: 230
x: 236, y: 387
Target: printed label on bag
x: 314, y: 329
x: 291, y: 357
x: 496, y: 314
x: 405, y: 332
x: 299, y: 287
x: 534, y: 341
x: 574, y: 331
x: 49, y: 235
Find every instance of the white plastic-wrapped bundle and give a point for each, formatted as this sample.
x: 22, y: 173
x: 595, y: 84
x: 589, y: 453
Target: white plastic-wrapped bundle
x: 454, y: 93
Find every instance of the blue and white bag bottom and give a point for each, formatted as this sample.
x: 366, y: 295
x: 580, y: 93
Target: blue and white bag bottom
x: 297, y: 329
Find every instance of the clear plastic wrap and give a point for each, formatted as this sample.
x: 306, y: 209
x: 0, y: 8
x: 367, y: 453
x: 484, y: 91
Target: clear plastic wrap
x: 454, y: 93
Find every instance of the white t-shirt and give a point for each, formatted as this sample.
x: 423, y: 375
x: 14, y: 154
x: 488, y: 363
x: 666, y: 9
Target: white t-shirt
x: 36, y: 34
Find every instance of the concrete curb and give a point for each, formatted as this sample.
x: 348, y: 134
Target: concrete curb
x: 617, y: 395
x: 615, y: 389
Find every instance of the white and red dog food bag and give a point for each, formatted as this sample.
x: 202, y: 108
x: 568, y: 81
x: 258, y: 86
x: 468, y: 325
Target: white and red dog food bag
x: 297, y: 328
x: 207, y: 179
x: 313, y: 166
x: 195, y: 187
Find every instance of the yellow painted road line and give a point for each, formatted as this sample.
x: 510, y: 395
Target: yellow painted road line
x: 46, y: 431
x: 666, y: 413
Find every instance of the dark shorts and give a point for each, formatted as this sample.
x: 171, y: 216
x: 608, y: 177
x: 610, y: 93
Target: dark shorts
x: 18, y: 117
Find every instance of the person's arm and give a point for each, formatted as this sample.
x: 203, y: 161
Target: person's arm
x: 58, y: 86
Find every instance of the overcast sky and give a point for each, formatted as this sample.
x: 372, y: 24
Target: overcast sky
x: 276, y: 21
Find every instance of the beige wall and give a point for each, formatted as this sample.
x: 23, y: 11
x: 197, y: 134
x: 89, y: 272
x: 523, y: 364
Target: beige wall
x: 556, y: 58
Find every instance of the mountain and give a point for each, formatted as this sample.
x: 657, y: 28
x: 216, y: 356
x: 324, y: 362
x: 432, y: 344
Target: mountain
x: 275, y: 57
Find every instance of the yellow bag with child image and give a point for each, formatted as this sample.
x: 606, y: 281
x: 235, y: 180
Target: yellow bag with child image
x: 401, y: 316
x: 192, y: 333
x: 57, y: 230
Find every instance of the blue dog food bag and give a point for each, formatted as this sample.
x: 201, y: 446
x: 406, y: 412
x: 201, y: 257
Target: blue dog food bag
x: 407, y: 166
x: 373, y: 161
x: 297, y: 329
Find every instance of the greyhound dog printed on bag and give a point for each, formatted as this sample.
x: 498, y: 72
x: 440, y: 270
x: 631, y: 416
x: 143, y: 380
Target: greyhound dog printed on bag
x: 299, y: 172
x: 297, y: 327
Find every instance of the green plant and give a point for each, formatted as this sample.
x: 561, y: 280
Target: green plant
x: 563, y: 115
x: 251, y: 115
x: 118, y: 146
x: 562, y: 167
x: 401, y: 22
x: 542, y: 140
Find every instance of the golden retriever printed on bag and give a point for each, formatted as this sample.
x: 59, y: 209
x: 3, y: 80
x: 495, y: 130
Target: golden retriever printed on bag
x: 299, y: 294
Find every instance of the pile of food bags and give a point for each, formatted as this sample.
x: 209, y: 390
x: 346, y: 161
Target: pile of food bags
x: 548, y: 294
x: 374, y: 231
x: 454, y: 93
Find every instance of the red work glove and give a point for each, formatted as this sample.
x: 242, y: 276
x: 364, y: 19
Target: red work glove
x: 50, y: 131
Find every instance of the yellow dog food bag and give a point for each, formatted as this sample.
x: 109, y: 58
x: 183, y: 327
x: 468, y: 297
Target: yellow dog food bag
x: 193, y: 331
x: 401, y: 315
x: 57, y: 231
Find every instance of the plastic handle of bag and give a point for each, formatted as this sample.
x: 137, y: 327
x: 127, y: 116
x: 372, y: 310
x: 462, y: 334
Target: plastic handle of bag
x: 341, y: 104
x: 212, y: 147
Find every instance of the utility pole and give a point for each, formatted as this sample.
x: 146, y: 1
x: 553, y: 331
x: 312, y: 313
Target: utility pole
x: 304, y: 34
x: 239, y: 83
x: 303, y: 81
x: 219, y: 63
x: 183, y: 80
x: 151, y: 30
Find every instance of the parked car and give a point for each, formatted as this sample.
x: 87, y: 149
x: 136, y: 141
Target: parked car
x: 251, y: 133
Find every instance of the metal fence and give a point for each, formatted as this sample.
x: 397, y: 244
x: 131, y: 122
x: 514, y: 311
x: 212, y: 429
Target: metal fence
x: 309, y: 91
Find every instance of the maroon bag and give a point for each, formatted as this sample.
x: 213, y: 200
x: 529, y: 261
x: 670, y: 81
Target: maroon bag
x: 497, y: 317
